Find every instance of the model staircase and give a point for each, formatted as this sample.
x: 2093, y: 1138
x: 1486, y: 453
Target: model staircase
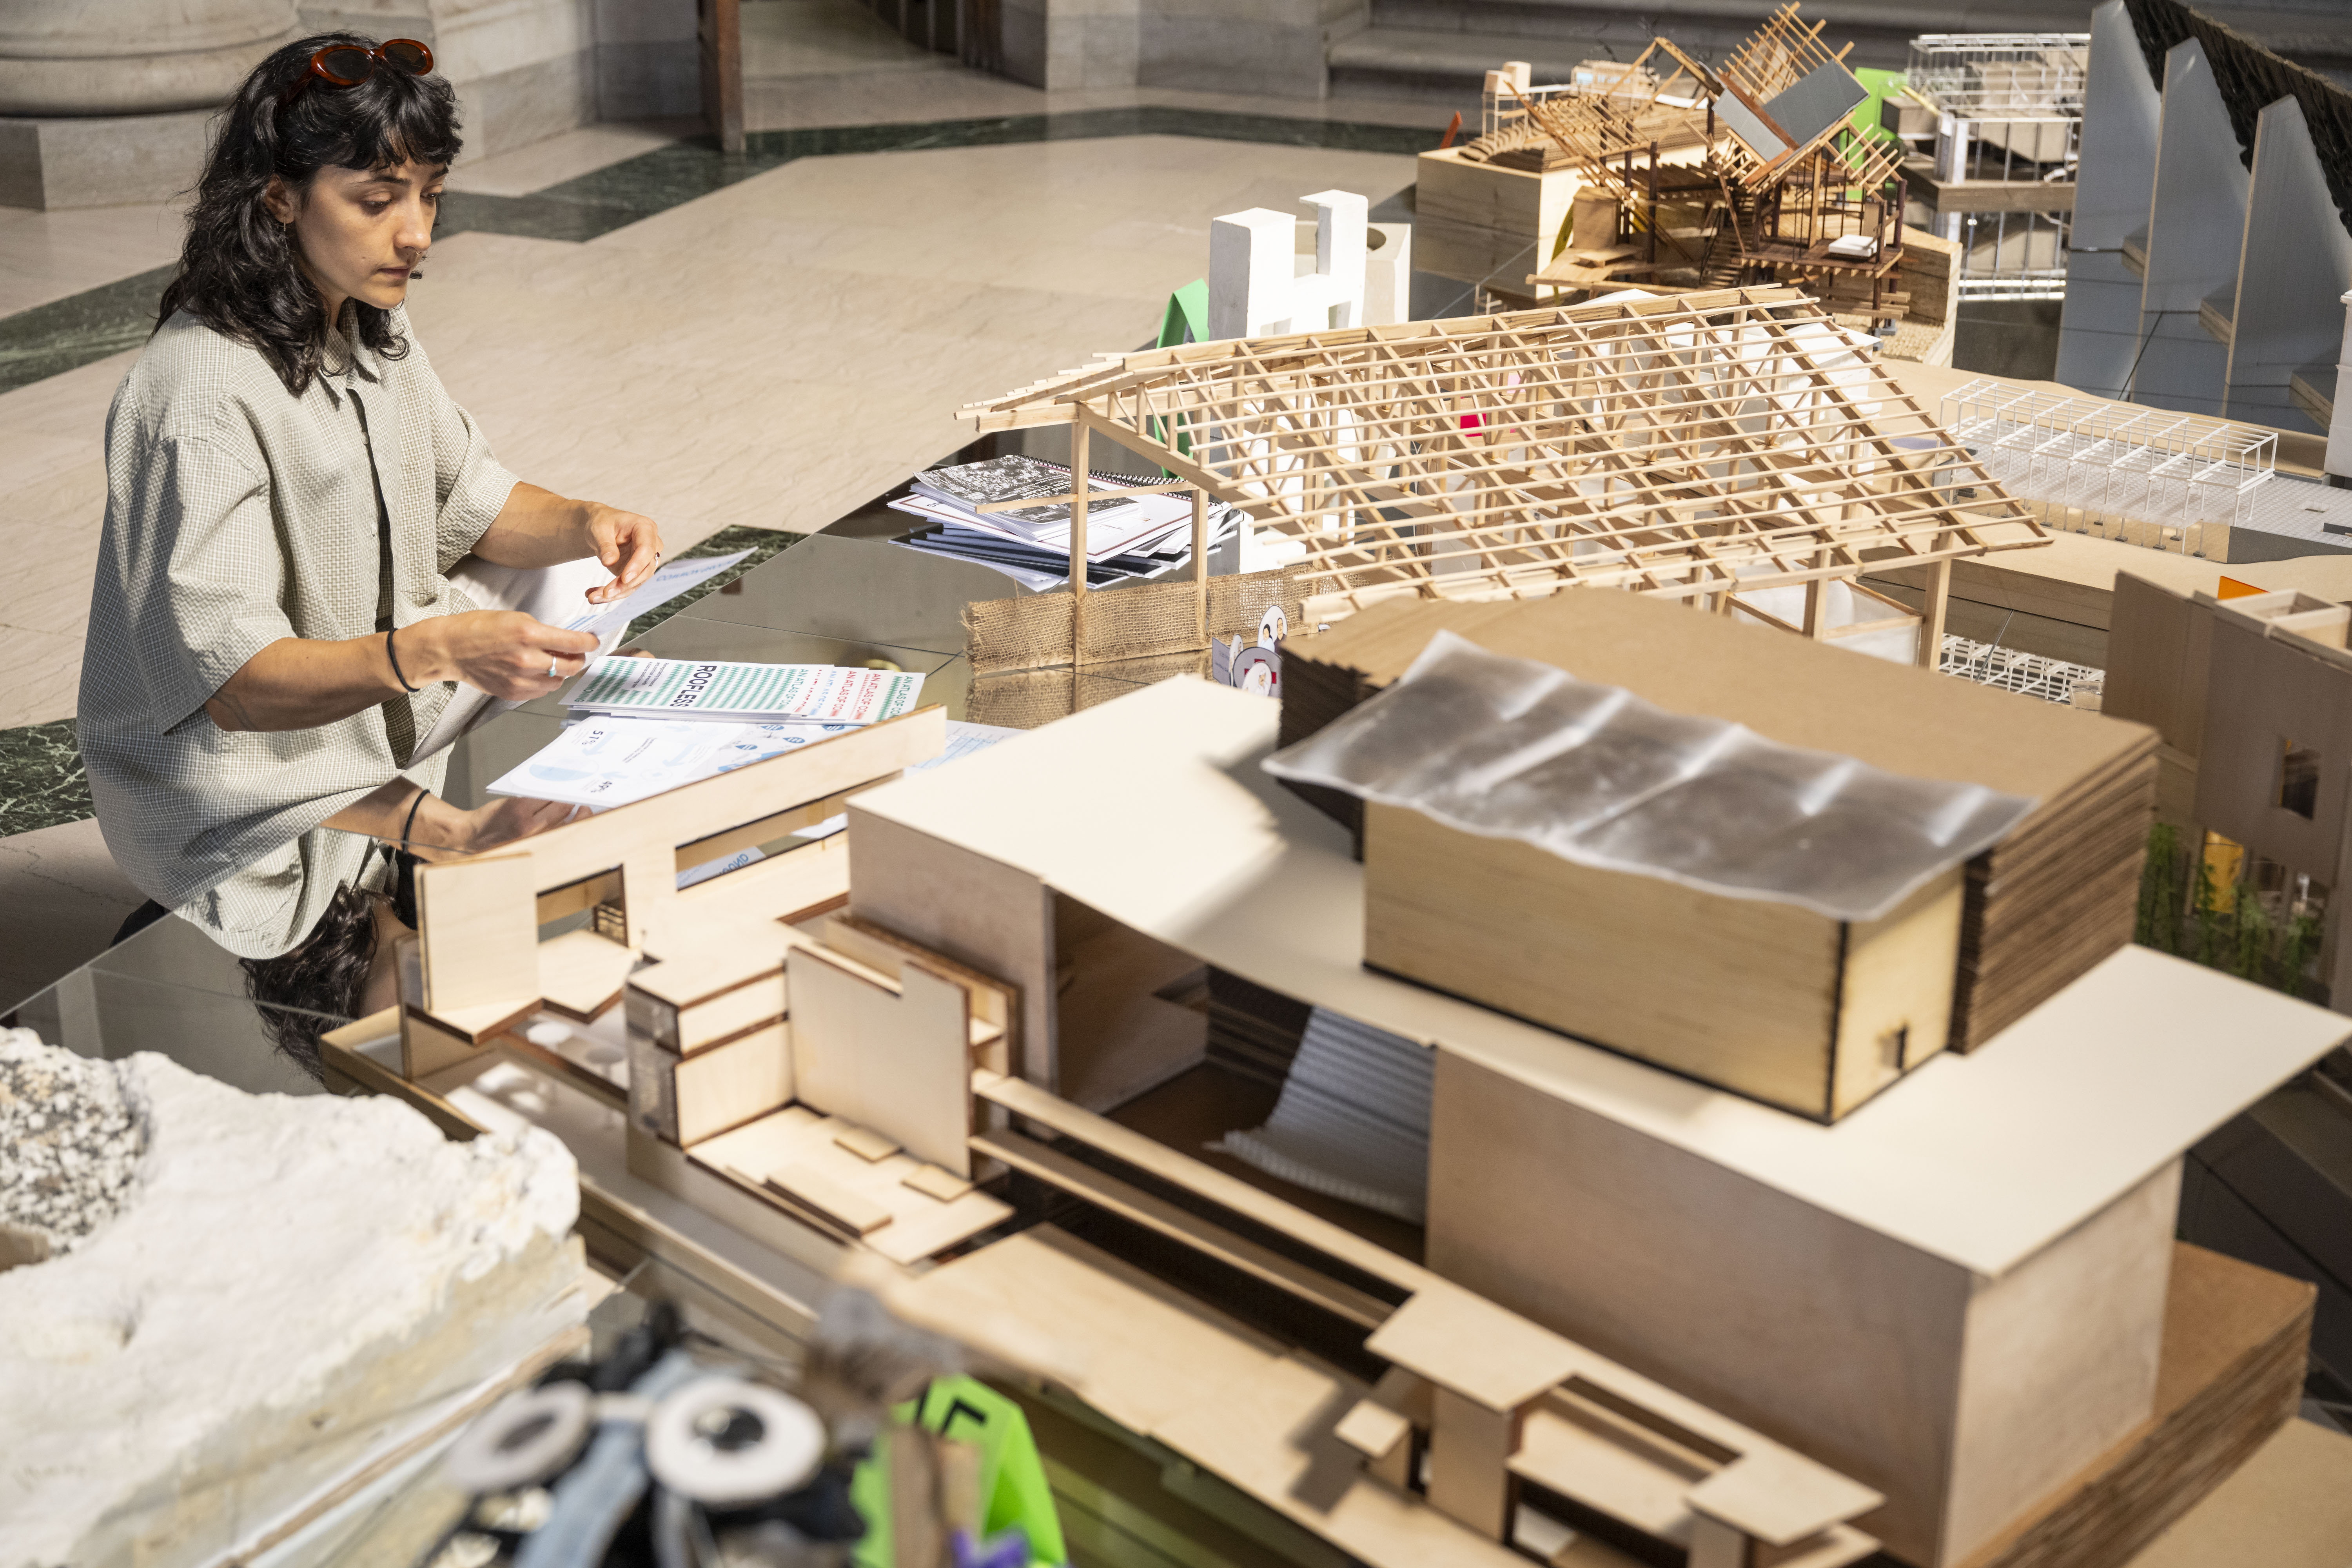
x: 1736, y: 239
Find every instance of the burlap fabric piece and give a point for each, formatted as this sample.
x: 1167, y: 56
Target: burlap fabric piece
x: 1143, y: 620
x: 1025, y: 699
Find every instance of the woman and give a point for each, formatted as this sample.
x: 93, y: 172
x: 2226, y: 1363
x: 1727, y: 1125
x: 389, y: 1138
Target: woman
x: 274, y: 629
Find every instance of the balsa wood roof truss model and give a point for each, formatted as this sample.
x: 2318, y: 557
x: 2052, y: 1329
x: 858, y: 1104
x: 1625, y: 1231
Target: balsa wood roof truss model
x: 1709, y: 447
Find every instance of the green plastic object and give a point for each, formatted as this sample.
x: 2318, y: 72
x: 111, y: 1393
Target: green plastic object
x: 1012, y: 1476
x: 1868, y: 115
x: 1187, y: 320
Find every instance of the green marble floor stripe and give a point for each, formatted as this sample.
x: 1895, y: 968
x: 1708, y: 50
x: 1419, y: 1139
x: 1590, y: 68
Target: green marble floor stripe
x: 41, y: 780
x: 49, y: 340
x: 42, y: 784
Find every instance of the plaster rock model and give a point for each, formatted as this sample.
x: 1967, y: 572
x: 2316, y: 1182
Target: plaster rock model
x: 69, y: 1146
x: 245, y: 1297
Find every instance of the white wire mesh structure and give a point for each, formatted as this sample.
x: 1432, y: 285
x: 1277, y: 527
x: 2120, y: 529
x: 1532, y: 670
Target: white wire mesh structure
x: 2146, y: 476
x: 1991, y: 75
x: 2027, y: 674
x: 2010, y: 111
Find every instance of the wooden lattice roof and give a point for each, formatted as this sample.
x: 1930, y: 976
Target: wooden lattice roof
x: 1705, y: 444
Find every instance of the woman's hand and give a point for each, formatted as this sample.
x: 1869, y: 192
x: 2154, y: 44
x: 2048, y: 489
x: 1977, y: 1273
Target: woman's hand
x: 629, y: 546
x: 539, y: 528
x: 438, y: 830
x: 441, y: 826
x: 503, y: 652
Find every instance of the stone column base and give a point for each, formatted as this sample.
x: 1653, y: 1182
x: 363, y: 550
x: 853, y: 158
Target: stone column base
x: 103, y: 161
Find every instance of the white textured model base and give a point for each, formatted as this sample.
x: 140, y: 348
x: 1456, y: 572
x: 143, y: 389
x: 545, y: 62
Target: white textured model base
x: 290, y: 1285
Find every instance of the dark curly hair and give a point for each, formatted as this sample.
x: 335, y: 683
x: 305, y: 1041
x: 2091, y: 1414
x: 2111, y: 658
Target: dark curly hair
x: 318, y: 985
x: 238, y: 272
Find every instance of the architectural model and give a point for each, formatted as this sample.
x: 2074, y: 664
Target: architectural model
x: 1996, y: 121
x: 991, y: 1079
x: 937, y: 1039
x: 281, y: 1289
x: 1258, y: 283
x: 1734, y: 450
x: 1945, y: 1194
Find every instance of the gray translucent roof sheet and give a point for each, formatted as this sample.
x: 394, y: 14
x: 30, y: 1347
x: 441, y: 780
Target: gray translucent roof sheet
x: 1807, y: 108
x: 1511, y: 748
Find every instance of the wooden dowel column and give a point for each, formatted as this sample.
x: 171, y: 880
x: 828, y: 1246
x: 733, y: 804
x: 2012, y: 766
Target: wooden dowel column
x: 1931, y: 616
x: 1079, y: 484
x: 1200, y: 567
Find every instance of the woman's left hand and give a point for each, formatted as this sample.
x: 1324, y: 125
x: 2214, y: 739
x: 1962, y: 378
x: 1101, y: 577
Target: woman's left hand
x: 630, y: 547
x: 506, y: 819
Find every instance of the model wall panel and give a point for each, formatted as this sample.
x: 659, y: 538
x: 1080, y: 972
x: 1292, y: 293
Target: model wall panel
x: 1819, y: 1334
x: 980, y: 913
x: 2084, y: 1315
x: 2265, y: 694
x: 1879, y: 1359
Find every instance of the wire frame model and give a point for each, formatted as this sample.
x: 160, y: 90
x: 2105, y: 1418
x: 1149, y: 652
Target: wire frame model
x: 2148, y: 475
x: 1717, y: 448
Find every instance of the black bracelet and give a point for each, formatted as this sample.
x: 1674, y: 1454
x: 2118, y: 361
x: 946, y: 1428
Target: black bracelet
x: 411, y: 822
x: 395, y: 665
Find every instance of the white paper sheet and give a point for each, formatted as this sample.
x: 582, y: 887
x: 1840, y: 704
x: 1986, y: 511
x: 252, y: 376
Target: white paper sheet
x: 606, y: 761
x: 667, y: 583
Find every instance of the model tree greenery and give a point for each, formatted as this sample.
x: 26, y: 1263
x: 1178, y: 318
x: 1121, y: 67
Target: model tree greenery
x: 2184, y: 911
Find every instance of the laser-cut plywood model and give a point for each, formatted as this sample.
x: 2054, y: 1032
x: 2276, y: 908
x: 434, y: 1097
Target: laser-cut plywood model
x: 1959, y: 1297
x: 2040, y: 907
x: 894, y: 1091
x: 1966, y: 1205
x: 1710, y: 448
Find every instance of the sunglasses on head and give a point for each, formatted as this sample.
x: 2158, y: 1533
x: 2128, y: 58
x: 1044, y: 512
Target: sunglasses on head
x: 348, y: 64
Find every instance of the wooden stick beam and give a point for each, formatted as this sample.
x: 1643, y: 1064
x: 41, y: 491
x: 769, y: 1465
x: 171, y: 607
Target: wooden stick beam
x: 1132, y: 1203
x: 1083, y: 478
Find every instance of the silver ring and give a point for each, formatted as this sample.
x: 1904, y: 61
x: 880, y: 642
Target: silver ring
x: 552, y: 672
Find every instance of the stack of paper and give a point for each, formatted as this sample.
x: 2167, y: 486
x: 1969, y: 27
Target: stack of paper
x: 1126, y: 536
x: 720, y: 689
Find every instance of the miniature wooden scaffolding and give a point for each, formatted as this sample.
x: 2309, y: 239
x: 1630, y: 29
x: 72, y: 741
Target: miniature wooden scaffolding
x: 1710, y: 448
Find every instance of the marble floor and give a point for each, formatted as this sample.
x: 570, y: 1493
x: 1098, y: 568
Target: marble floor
x: 764, y: 341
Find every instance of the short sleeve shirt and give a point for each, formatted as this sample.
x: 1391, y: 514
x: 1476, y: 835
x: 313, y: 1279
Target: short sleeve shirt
x: 239, y: 514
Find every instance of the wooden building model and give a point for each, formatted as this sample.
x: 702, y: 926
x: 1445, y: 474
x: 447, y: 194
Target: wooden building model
x: 2028, y: 916
x: 1731, y: 449
x: 1954, y: 1322
x: 1952, y: 1295
x: 825, y: 1082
